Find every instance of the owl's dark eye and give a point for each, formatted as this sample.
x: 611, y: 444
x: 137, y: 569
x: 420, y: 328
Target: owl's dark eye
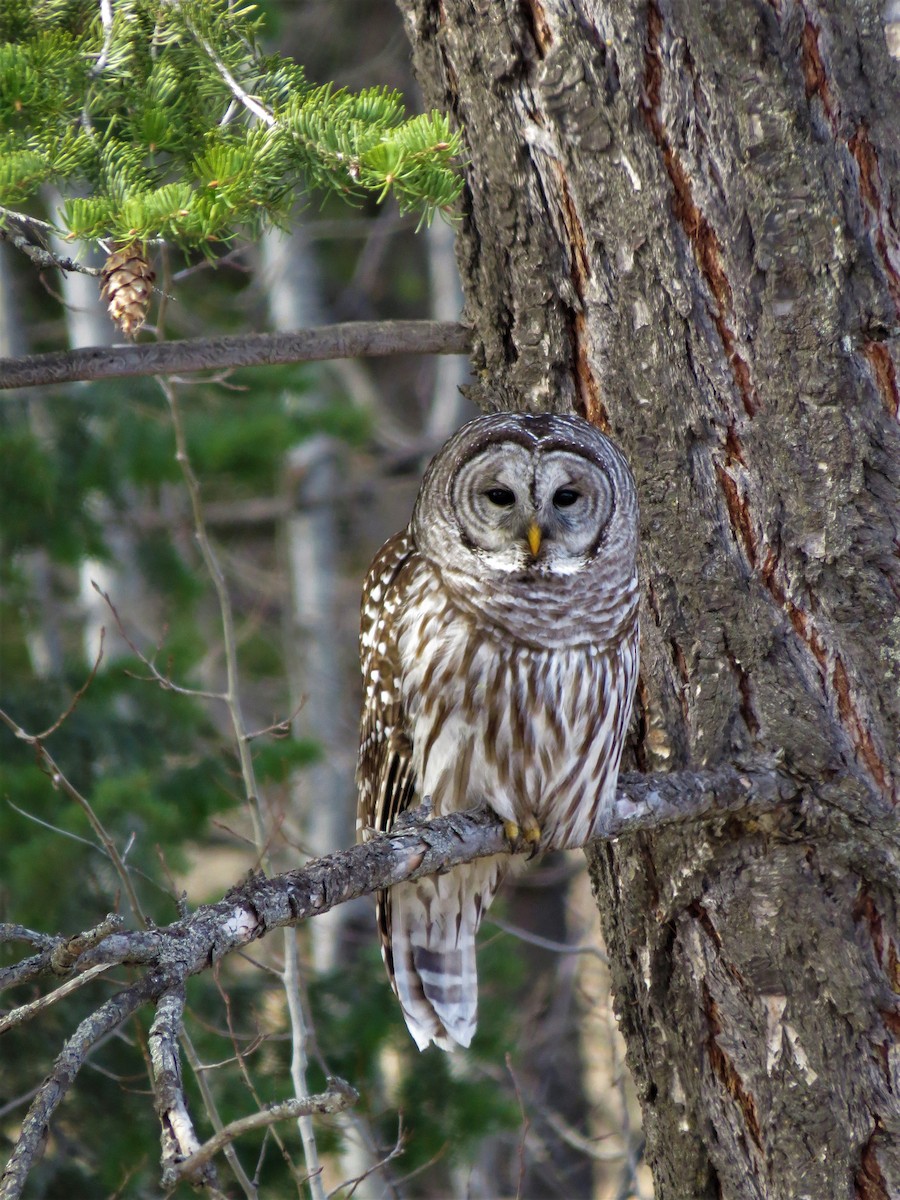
x: 565, y: 498
x: 501, y: 496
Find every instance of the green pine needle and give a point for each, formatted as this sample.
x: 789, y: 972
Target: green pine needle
x: 170, y: 124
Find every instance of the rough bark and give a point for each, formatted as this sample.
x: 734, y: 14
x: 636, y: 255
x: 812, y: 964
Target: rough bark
x: 679, y: 222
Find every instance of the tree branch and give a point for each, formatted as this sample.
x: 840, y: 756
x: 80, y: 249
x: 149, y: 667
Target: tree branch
x: 179, y: 1140
x: 419, y: 846
x: 352, y: 339
x: 339, y: 1097
x: 93, y: 1028
x: 38, y: 255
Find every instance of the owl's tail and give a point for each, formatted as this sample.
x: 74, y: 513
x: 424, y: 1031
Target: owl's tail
x: 433, y: 922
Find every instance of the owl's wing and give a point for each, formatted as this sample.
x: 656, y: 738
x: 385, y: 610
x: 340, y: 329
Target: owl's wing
x: 427, y: 928
x: 384, y: 770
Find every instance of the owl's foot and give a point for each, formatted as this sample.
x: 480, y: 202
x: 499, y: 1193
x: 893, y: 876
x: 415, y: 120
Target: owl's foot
x: 511, y: 829
x: 530, y: 833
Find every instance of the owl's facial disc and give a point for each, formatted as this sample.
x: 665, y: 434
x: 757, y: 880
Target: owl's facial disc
x: 574, y: 503
x: 518, y: 510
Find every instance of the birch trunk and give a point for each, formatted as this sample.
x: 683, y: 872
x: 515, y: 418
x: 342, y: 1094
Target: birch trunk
x: 679, y: 222
x: 310, y: 539
x: 118, y: 575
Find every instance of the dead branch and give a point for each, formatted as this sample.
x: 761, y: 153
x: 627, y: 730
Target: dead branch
x: 340, y: 1096
x: 353, y: 339
x: 174, y: 953
x: 179, y: 1140
x: 92, y: 1029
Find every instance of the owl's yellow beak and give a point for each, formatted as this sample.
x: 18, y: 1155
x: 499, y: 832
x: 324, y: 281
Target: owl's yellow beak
x: 534, y: 538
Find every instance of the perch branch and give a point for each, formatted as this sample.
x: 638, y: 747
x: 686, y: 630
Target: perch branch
x: 353, y: 339
x: 174, y: 953
x: 422, y: 847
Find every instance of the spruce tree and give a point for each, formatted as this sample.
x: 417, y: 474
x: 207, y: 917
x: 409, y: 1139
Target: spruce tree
x: 166, y: 122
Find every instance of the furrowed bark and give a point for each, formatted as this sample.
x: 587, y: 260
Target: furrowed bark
x: 679, y: 222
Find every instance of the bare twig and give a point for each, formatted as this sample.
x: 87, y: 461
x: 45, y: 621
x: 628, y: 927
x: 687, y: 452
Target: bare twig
x: 39, y: 737
x: 339, y: 1097
x: 106, y: 17
x: 17, y: 1102
x: 209, y: 1103
x: 164, y: 681
x: 59, y: 780
x: 25, y: 971
x: 232, y: 697
x: 535, y: 939
x: 25, y: 1012
x: 19, y: 933
x: 526, y: 1126
x: 38, y: 255
x: 349, y: 1186
x: 584, y: 1145
x: 30, y: 1142
x: 240, y: 1057
x: 353, y: 339
x: 249, y: 102
x: 64, y: 956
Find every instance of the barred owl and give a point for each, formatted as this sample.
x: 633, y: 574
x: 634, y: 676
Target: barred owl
x: 499, y: 650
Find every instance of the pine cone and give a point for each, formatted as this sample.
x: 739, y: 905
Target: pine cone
x: 127, y: 285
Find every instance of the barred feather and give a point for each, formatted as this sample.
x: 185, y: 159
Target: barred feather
x: 492, y: 677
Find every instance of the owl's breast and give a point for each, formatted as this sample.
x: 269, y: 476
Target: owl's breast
x: 528, y: 731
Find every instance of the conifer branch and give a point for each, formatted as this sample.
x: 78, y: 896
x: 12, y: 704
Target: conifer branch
x: 205, y: 140
x: 38, y: 255
x: 353, y: 339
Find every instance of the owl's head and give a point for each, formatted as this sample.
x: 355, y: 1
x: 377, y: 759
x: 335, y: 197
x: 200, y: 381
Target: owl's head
x: 519, y: 495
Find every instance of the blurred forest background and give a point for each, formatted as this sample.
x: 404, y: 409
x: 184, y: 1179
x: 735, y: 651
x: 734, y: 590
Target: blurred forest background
x: 303, y: 472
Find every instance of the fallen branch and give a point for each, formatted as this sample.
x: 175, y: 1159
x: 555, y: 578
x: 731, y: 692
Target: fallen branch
x: 353, y: 339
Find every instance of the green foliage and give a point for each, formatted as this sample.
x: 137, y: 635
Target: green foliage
x: 151, y: 762
x: 169, y: 123
x: 152, y: 769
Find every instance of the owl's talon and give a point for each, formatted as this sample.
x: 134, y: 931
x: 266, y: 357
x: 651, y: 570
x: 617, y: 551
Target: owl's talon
x: 532, y: 835
x: 529, y: 833
x: 511, y: 829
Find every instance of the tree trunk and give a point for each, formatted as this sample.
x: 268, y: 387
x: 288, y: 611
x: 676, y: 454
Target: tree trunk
x: 678, y: 222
